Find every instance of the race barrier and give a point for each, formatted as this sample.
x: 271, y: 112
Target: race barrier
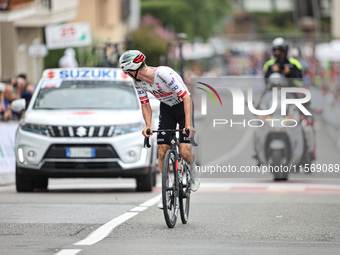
x: 7, y: 152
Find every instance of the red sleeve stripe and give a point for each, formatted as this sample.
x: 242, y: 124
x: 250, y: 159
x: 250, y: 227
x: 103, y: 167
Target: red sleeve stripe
x: 181, y: 96
x: 144, y: 102
x: 142, y: 98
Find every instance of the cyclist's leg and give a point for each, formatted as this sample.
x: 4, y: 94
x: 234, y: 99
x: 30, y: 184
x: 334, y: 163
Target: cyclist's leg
x: 189, y: 157
x: 162, y: 149
x: 166, y: 121
x: 185, y: 149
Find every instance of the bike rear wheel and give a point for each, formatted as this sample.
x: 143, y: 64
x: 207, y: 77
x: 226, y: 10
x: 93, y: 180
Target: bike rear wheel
x: 170, y: 189
x: 184, y: 194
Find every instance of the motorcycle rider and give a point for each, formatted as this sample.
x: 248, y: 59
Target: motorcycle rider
x: 291, y: 68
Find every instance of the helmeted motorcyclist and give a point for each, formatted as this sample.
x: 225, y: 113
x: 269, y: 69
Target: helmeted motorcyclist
x: 291, y: 68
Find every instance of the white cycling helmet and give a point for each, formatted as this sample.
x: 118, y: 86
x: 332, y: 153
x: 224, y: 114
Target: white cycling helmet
x: 132, y: 60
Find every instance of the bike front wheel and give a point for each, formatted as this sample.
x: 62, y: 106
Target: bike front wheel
x: 170, y: 189
x: 184, y: 194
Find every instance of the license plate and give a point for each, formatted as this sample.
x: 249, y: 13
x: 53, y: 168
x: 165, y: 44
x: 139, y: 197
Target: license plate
x: 80, y: 152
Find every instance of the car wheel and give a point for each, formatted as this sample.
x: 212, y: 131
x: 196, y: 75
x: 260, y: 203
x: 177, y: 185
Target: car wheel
x: 154, y: 179
x: 24, y: 183
x: 41, y: 183
x: 145, y: 182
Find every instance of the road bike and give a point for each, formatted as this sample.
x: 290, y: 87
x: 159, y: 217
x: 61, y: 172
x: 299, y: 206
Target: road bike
x: 175, y: 180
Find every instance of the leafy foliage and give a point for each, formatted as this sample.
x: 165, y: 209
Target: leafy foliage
x: 148, y: 41
x: 193, y: 17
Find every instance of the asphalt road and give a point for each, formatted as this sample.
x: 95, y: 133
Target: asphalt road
x: 228, y: 215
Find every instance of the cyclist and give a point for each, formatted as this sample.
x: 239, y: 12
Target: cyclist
x: 175, y: 106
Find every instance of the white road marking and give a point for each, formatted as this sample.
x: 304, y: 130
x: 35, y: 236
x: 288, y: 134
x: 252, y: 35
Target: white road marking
x: 68, y: 252
x: 245, y: 140
x: 138, y: 209
x: 106, y: 229
x: 92, y: 186
x: 151, y: 201
x: 270, y: 187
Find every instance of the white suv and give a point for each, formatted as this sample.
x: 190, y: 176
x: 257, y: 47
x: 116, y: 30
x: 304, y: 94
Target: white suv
x: 83, y: 122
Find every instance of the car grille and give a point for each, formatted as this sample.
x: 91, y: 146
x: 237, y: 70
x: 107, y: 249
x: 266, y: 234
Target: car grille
x: 81, y: 166
x: 81, y: 131
x: 102, y: 150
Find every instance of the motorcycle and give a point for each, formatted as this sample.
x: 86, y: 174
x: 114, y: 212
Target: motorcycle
x: 277, y: 146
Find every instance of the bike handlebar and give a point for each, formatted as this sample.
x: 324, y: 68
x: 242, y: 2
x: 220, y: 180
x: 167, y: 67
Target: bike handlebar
x: 147, y: 140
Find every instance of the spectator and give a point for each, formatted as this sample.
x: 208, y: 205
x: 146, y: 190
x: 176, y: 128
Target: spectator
x: 2, y: 105
x: 21, y: 83
x: 23, y: 89
x: 7, y: 113
x: 69, y: 59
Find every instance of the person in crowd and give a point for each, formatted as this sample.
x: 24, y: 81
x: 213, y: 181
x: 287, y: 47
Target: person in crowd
x: 2, y: 105
x: 23, y: 89
x: 7, y: 114
x: 69, y: 59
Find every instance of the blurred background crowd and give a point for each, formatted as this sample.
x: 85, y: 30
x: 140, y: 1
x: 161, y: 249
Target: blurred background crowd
x: 11, y: 90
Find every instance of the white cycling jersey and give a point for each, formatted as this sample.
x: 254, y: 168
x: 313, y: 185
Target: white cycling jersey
x: 168, y: 87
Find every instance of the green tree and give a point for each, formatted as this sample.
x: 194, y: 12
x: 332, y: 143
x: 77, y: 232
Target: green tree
x: 148, y: 41
x: 193, y: 17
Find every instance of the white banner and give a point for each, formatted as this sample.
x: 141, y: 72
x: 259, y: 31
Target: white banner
x: 68, y: 35
x: 7, y: 154
x: 37, y: 50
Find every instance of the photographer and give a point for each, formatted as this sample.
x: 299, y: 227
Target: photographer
x: 291, y: 68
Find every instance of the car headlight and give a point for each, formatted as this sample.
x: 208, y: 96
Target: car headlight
x: 128, y: 128
x: 34, y: 128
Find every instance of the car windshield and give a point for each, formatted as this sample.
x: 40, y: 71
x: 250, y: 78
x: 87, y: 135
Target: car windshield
x: 89, y: 94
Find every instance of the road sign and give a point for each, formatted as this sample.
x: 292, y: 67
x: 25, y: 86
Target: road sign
x: 37, y: 50
x: 68, y: 35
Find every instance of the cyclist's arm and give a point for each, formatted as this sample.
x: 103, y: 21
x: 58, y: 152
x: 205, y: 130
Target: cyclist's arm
x: 188, y: 114
x: 146, y: 108
x: 147, y: 115
x: 187, y: 110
